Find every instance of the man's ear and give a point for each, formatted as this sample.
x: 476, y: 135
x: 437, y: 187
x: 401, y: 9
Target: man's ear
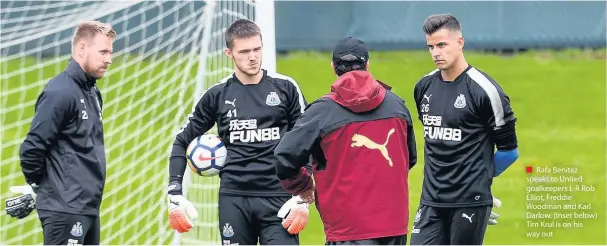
x: 367, y: 64
x: 461, y: 42
x: 81, y: 49
x: 228, y: 52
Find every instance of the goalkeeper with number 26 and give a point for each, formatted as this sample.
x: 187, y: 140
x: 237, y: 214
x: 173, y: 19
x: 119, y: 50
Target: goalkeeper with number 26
x: 63, y: 154
x: 253, y: 206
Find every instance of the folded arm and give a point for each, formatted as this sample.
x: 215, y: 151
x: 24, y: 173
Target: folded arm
x: 52, y: 108
x: 501, y: 121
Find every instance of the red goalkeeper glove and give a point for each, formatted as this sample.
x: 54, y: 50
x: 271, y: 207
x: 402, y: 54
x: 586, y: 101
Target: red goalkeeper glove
x: 294, y: 214
x: 182, y: 213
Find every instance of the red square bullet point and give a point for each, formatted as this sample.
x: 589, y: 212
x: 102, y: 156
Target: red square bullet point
x: 529, y: 169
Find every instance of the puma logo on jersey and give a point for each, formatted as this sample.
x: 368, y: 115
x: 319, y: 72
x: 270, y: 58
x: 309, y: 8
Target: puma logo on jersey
x: 467, y: 217
x: 233, y: 103
x: 427, y: 97
x: 360, y: 140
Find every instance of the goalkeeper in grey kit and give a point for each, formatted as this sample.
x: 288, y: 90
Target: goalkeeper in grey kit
x: 252, y: 108
x: 63, y: 154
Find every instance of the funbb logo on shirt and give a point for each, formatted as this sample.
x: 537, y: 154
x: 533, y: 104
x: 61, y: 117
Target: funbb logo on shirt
x: 433, y: 129
x: 246, y: 131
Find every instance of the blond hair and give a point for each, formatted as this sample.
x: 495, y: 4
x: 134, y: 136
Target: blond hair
x: 88, y: 30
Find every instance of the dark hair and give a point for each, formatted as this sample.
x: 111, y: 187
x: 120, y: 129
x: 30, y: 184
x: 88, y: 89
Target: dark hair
x: 436, y: 22
x: 341, y: 67
x: 241, y: 28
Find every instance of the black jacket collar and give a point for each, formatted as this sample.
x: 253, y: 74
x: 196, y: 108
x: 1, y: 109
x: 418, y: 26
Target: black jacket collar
x: 82, y: 78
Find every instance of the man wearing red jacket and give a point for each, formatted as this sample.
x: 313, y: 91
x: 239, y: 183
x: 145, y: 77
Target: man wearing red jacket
x: 361, y: 139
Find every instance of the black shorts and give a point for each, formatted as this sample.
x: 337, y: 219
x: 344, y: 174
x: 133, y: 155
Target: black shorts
x: 437, y: 225
x: 69, y: 229
x: 244, y: 220
x: 395, y: 240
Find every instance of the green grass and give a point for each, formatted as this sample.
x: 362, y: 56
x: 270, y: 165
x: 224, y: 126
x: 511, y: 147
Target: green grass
x: 558, y: 97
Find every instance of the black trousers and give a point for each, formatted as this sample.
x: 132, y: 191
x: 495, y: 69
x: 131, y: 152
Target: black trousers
x: 395, y: 240
x: 245, y: 220
x: 69, y: 229
x: 459, y: 226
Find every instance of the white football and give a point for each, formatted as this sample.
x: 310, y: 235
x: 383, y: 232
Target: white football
x: 206, y: 155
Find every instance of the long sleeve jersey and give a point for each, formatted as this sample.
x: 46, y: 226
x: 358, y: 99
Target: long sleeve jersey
x: 251, y: 119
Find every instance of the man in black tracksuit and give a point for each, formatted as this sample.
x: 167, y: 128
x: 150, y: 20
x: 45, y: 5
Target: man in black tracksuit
x: 63, y: 155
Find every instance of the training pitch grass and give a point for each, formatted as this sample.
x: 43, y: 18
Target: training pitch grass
x: 558, y: 98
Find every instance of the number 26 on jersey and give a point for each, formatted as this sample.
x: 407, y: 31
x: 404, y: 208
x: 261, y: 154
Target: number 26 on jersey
x: 425, y: 107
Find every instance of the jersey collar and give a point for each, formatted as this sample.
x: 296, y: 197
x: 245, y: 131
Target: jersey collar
x: 82, y: 78
x: 265, y: 75
x: 440, y: 76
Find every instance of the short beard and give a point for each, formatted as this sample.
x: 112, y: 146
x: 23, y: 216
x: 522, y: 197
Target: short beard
x: 87, y: 69
x: 91, y: 73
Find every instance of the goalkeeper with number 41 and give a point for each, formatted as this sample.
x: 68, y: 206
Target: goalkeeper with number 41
x: 252, y: 108
x: 63, y: 155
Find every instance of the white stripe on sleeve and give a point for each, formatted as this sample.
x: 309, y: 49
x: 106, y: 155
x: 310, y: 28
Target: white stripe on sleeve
x: 492, y: 93
x: 431, y: 73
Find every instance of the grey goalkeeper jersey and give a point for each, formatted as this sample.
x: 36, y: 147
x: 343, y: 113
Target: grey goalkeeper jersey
x: 460, y: 118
